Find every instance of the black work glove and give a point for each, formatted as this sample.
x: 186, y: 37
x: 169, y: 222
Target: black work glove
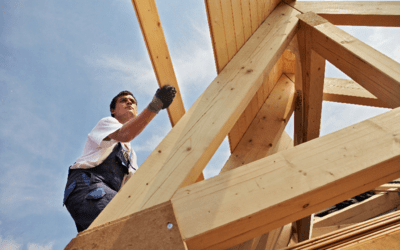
x: 162, y: 99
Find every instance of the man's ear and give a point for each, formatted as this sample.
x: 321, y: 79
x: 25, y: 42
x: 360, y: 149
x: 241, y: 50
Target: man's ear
x: 112, y: 111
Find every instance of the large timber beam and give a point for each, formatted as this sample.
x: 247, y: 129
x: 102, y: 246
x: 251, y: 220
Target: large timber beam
x: 320, y: 173
x: 348, y: 91
x: 193, y: 144
x: 153, y: 34
x: 376, y: 72
x: 355, y: 13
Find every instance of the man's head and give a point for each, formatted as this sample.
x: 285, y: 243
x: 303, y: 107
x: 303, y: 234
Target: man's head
x: 123, y: 104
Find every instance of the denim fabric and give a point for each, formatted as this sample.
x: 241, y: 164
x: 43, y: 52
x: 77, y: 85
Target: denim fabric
x: 88, y: 191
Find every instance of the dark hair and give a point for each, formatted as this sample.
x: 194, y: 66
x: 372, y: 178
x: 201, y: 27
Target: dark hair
x: 115, y: 99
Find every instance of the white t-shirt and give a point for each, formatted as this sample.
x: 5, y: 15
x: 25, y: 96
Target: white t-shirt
x: 96, y: 149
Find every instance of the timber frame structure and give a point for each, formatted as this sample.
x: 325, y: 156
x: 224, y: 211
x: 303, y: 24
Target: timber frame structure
x: 270, y: 58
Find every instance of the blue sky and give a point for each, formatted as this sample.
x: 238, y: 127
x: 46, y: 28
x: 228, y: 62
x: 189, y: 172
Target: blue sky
x: 61, y: 62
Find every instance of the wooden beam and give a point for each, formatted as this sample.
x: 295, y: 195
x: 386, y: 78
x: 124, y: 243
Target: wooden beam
x: 247, y: 117
x: 376, y: 72
x: 319, y: 231
x: 150, y: 24
x: 209, y: 122
x: 355, y: 13
x: 387, y: 240
x: 153, y: 228
x: 264, y: 137
x: 348, y: 91
x: 359, y: 212
x: 321, y: 173
x: 312, y: 73
x: 266, y: 129
x: 354, y: 234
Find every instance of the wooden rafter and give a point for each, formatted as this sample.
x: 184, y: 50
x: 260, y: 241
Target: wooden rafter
x: 153, y: 34
x: 377, y: 73
x: 362, y: 13
x: 232, y: 23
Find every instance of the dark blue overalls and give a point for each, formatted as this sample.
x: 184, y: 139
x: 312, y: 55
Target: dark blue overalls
x: 88, y: 191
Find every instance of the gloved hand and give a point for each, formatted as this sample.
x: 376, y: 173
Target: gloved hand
x: 162, y: 99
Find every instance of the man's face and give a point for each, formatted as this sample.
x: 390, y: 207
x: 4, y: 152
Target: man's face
x: 125, y: 108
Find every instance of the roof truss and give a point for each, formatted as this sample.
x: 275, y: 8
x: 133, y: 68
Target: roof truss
x: 207, y: 213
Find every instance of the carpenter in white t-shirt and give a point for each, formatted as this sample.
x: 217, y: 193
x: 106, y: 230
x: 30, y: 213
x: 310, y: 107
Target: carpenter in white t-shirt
x: 97, y: 148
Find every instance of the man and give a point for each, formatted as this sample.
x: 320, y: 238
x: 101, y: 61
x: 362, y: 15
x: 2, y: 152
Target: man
x: 108, y: 159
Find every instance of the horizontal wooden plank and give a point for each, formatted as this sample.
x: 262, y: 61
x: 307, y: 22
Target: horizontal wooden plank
x: 377, y: 73
x: 150, y: 24
x: 356, y: 13
x: 320, y: 173
x: 208, y: 124
x: 385, y: 241
x: 348, y: 91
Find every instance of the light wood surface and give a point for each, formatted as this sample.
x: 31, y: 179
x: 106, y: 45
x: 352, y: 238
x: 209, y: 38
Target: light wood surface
x: 377, y: 73
x: 356, y: 13
x: 266, y: 129
x: 153, y: 34
x: 321, y: 173
x: 350, y: 92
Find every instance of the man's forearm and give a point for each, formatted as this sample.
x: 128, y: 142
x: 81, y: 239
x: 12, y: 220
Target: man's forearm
x: 133, y: 127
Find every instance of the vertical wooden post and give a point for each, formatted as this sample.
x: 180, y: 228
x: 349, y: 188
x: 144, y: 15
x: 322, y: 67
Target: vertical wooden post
x: 311, y: 71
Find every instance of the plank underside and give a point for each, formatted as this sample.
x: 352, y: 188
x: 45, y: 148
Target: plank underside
x: 153, y: 34
x: 183, y: 154
x: 232, y: 23
x: 322, y: 172
x: 355, y: 13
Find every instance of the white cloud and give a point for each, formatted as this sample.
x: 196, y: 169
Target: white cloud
x: 9, y: 244
x: 121, y: 71
x: 34, y: 246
